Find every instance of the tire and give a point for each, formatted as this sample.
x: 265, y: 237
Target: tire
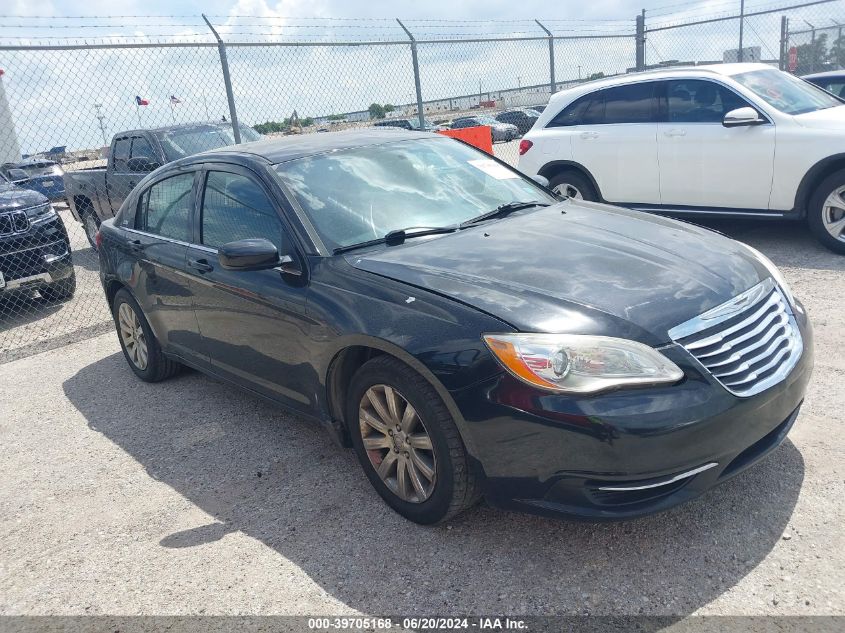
x: 820, y: 216
x: 569, y: 182
x: 455, y: 485
x: 60, y: 290
x: 157, y: 366
x: 90, y: 223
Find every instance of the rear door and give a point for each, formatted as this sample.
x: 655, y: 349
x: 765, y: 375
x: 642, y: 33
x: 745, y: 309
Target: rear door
x: 703, y: 163
x: 252, y: 323
x: 613, y: 134
x: 157, y: 244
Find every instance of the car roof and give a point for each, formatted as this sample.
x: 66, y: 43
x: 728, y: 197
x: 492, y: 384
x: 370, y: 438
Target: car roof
x: 280, y: 150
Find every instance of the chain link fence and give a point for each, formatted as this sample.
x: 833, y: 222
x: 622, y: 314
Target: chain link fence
x: 83, y: 120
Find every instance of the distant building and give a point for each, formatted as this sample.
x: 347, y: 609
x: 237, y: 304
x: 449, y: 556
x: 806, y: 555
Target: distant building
x: 10, y: 151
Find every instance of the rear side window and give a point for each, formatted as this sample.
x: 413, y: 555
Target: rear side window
x: 698, y: 101
x: 165, y: 208
x: 121, y: 154
x: 635, y: 103
x: 141, y: 148
x: 235, y: 207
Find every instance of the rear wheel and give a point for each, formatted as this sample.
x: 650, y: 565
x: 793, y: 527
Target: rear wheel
x: 139, y: 344
x: 408, y: 444
x: 826, y: 212
x: 90, y: 223
x: 573, y: 184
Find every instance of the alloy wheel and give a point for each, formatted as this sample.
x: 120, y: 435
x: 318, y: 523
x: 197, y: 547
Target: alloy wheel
x: 89, y: 223
x: 833, y: 214
x: 568, y: 191
x: 397, y: 443
x: 132, y: 335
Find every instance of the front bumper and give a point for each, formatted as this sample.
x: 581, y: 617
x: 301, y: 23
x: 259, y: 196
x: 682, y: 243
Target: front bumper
x: 626, y: 453
x: 38, y: 257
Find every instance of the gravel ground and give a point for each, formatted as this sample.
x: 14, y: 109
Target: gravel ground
x: 190, y: 497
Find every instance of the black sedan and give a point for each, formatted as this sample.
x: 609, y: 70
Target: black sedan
x: 522, y: 118
x: 467, y: 332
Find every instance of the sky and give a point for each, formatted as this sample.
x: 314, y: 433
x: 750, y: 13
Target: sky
x: 53, y: 94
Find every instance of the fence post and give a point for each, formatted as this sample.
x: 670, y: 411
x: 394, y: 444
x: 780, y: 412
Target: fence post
x: 784, y: 42
x: 740, y: 56
x: 415, y: 61
x: 640, y: 39
x: 227, y: 80
x: 552, y: 82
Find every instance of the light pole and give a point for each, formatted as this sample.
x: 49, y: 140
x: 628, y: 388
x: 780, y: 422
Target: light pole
x: 101, y: 117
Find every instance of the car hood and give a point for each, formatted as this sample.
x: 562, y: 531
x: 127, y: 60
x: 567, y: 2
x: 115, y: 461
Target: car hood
x: 579, y: 268
x: 828, y: 119
x: 12, y: 197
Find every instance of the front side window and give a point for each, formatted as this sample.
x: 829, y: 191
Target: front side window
x: 699, y: 101
x: 356, y: 195
x: 165, y: 208
x: 788, y: 94
x: 235, y: 207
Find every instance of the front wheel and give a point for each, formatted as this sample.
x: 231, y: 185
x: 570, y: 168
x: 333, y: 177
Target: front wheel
x: 408, y: 444
x: 826, y: 212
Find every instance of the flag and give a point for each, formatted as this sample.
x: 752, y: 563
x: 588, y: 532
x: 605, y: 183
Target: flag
x: 174, y: 100
x: 139, y: 101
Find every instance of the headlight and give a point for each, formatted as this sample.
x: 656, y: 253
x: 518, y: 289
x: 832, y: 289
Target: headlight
x: 774, y: 272
x: 40, y: 213
x: 576, y: 363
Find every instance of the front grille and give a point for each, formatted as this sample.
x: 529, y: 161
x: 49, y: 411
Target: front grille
x: 13, y: 223
x: 748, y: 343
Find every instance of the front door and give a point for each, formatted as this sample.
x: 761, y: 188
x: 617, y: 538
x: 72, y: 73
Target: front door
x: 252, y: 323
x: 703, y: 163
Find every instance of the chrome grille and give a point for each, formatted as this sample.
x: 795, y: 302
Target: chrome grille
x: 748, y: 343
x: 14, y: 223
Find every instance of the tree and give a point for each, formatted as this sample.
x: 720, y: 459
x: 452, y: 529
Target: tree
x: 596, y: 76
x: 389, y: 107
x: 376, y: 111
x: 837, y: 52
x: 813, y: 55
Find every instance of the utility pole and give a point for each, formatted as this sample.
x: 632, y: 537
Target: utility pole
x: 101, y: 117
x: 740, y: 55
x: 640, y: 41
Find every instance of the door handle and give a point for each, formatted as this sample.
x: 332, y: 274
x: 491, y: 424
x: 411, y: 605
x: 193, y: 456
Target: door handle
x: 200, y: 265
x: 135, y: 246
x: 589, y: 135
x: 675, y: 132
x: 132, y: 183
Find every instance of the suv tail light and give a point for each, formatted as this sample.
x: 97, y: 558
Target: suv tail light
x: 98, y: 239
x: 524, y: 146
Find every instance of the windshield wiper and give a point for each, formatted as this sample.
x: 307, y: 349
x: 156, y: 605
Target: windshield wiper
x: 397, y: 236
x: 502, y: 210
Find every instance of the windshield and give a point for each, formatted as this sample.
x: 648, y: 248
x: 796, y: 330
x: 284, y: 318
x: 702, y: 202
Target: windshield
x: 788, y: 94
x: 487, y: 120
x: 357, y: 195
x: 191, y: 140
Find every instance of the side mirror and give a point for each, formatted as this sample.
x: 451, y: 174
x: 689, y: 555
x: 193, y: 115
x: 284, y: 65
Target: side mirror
x: 541, y: 180
x: 250, y: 254
x: 142, y: 164
x: 742, y: 116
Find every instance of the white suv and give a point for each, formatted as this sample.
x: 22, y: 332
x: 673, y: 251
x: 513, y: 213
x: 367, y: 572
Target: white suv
x: 734, y: 139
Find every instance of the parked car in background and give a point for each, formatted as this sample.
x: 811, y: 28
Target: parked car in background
x: 34, y: 247
x: 95, y: 194
x: 500, y: 131
x: 833, y: 81
x: 412, y: 123
x: 522, y: 118
x: 38, y: 174
x: 738, y: 140
x: 537, y: 108
x: 465, y: 330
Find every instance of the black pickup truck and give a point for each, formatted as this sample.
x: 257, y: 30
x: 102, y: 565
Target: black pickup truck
x: 34, y: 247
x: 95, y: 194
